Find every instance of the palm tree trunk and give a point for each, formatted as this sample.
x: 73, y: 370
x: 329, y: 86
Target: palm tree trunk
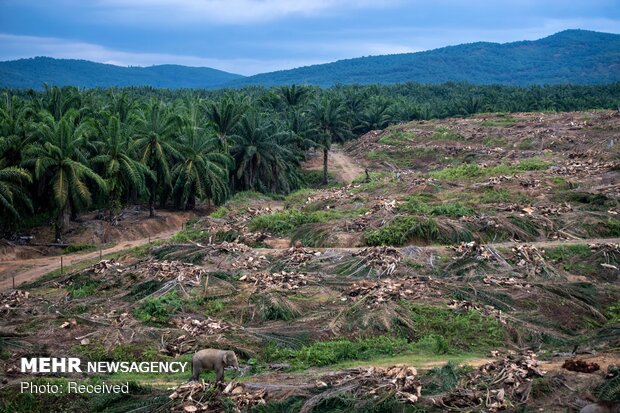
x: 325, y: 155
x: 152, y: 201
x: 59, y: 225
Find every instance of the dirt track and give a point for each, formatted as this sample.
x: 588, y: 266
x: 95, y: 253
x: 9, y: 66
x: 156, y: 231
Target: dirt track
x: 343, y: 167
x: 31, y: 269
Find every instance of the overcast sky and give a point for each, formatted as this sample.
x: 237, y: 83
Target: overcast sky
x: 254, y: 36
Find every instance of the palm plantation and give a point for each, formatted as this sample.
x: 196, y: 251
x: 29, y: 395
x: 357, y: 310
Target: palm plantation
x: 64, y: 151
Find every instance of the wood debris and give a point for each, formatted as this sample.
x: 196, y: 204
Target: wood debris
x: 297, y: 257
x: 168, y: 270
x: 486, y: 310
x: 209, y: 397
x: 178, y: 346
x: 505, y: 281
x: 288, y: 280
x: 378, y: 292
x: 494, y: 386
x: 400, y: 380
x: 530, y: 258
x: 208, y: 326
x: 104, y: 265
x: 250, y: 263
x: 472, y: 250
x: 581, y: 366
x: 14, y: 299
x: 384, y: 260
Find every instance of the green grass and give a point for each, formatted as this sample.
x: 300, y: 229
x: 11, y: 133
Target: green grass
x: 403, y: 229
x: 285, y: 222
x: 565, y: 252
x: 407, y: 157
x: 469, y: 331
x: 396, y: 138
x: 443, y: 133
x: 474, y: 171
x: 159, y: 309
x: 420, y: 204
x: 499, y: 195
x: 221, y: 212
x: 79, y: 248
x: 494, y: 141
x: 500, y: 122
x: 299, y: 197
x: 327, y: 353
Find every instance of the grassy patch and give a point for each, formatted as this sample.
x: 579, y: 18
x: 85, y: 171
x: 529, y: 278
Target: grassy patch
x: 473, y: 171
x: 464, y: 331
x: 396, y: 138
x: 159, y: 309
x: 495, y: 196
x: 83, y: 286
x: 327, y: 353
x: 79, y: 248
x: 418, y: 204
x: 284, y: 222
x: 407, y: 157
x: 403, y: 229
x: 221, y: 212
x: 501, y: 122
x: 443, y: 133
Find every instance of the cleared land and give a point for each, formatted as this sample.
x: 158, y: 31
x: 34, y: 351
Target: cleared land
x: 491, y: 242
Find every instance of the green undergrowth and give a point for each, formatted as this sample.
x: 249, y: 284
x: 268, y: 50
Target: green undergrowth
x: 423, y: 204
x: 159, y: 309
x: 284, y: 222
x: 473, y: 171
x: 404, y: 229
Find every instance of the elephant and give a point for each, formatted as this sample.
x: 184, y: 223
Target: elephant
x: 601, y: 407
x: 213, y: 359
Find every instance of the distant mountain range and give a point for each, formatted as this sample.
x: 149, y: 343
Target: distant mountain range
x: 32, y: 73
x: 571, y: 56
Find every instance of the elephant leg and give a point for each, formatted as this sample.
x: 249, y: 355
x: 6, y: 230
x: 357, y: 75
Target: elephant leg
x: 220, y: 375
x: 196, y: 370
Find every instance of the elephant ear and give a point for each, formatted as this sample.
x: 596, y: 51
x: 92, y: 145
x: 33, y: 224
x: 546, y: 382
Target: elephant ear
x: 226, y: 358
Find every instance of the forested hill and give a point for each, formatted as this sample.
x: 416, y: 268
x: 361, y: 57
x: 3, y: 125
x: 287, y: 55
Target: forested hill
x: 571, y: 56
x: 32, y: 73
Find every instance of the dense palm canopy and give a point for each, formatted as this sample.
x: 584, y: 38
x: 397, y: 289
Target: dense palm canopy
x: 330, y: 120
x: 60, y: 162
x: 64, y: 151
x: 203, y: 171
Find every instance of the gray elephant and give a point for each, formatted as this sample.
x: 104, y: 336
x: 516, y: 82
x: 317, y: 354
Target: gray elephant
x: 213, y: 359
x: 601, y: 407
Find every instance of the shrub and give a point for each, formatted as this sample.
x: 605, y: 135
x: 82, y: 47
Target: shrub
x: 159, y: 309
x: 403, y: 229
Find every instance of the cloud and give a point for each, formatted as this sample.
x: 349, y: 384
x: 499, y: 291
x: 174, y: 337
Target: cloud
x: 17, y: 47
x: 230, y: 12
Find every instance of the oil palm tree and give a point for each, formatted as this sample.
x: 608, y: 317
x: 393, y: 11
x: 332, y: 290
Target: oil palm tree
x: 60, y: 162
x: 15, y: 128
x: 255, y: 150
x: 13, y: 194
x: 203, y: 169
x: 329, y: 119
x: 224, y: 117
x: 123, y: 173
x: 155, y: 127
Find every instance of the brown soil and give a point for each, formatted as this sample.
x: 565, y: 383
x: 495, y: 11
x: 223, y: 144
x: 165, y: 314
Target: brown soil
x: 17, y: 262
x: 343, y: 167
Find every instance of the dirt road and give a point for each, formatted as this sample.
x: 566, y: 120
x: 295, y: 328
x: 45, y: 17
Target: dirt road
x: 29, y: 270
x: 343, y: 167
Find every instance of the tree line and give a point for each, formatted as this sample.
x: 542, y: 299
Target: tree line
x: 64, y: 150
